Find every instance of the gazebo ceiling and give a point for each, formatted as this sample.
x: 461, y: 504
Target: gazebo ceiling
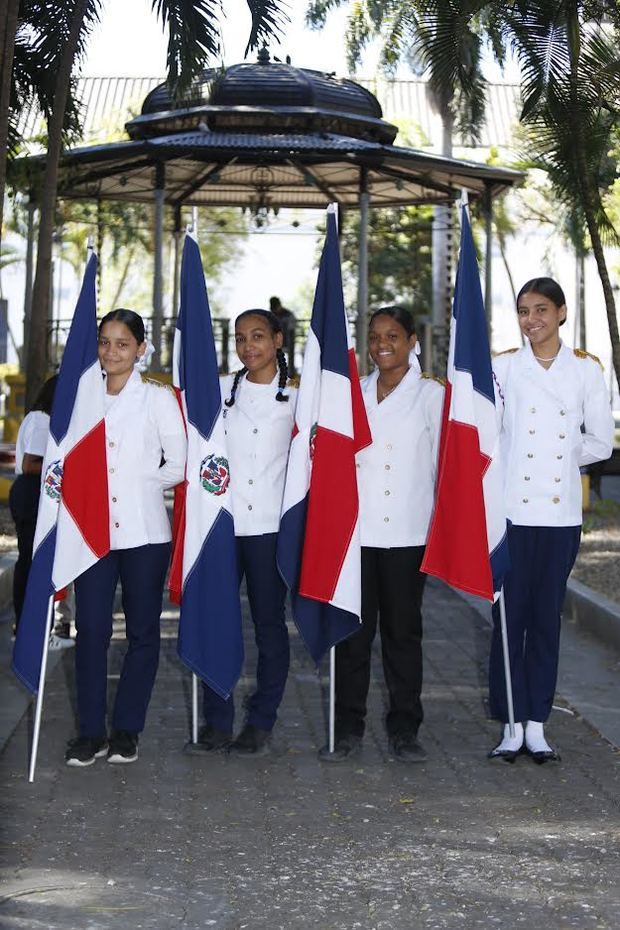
x: 267, y: 135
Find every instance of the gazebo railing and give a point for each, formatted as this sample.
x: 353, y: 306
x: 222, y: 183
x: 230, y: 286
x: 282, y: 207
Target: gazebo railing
x: 223, y: 332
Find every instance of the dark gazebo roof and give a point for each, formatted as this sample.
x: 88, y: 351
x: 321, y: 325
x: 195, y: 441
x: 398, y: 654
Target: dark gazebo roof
x: 266, y: 96
x: 267, y: 135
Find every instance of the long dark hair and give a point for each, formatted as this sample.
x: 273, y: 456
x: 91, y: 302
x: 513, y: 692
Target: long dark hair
x: 45, y: 397
x: 547, y: 287
x: 275, y: 327
x: 399, y: 315
x: 132, y: 320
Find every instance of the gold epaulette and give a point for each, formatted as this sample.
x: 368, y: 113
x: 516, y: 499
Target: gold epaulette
x: 581, y: 353
x: 505, y: 352
x: 429, y: 377
x: 293, y: 381
x: 156, y: 382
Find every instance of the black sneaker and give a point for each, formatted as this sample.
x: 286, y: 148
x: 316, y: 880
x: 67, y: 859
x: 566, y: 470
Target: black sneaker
x: 252, y: 741
x: 209, y: 740
x: 123, y: 747
x: 83, y: 750
x: 347, y: 746
x: 405, y: 748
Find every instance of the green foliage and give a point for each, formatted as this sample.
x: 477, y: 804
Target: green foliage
x: 571, y: 104
x: 399, y: 256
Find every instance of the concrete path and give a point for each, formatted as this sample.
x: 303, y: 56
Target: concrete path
x: 285, y: 842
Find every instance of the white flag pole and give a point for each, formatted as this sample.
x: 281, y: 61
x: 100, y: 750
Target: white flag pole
x: 194, y: 708
x: 507, y: 675
x: 464, y: 202
x: 332, y: 698
x: 39, y: 706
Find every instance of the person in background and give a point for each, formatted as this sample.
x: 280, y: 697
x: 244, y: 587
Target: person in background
x: 24, y: 500
x: 287, y: 321
x: 259, y: 415
x: 145, y: 452
x: 396, y: 481
x: 555, y: 415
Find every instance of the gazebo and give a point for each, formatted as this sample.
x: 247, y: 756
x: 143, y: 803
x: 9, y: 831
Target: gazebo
x: 267, y: 135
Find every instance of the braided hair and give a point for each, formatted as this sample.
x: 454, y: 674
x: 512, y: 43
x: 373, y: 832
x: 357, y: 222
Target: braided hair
x: 275, y: 327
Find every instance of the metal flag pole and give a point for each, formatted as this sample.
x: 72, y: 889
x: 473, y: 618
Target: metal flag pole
x: 39, y: 706
x: 507, y: 675
x: 332, y: 698
x: 194, y: 708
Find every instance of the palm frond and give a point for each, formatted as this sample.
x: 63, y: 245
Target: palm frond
x: 193, y: 37
x: 317, y: 10
x: 269, y: 18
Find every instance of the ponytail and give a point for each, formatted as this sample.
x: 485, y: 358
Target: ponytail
x: 238, y: 376
x: 283, y: 369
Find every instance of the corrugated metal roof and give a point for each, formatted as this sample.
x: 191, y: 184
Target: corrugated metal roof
x: 108, y: 102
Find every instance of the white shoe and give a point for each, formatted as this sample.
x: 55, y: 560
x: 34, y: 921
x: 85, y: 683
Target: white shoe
x: 60, y: 642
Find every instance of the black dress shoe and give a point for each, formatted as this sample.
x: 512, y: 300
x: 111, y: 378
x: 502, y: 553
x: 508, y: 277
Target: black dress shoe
x: 544, y: 755
x: 346, y: 747
x: 405, y: 748
x: 507, y: 755
x: 209, y: 740
x: 252, y: 741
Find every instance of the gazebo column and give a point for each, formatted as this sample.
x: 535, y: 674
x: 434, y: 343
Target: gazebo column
x: 31, y: 209
x: 362, y: 277
x: 158, y: 264
x: 177, y: 259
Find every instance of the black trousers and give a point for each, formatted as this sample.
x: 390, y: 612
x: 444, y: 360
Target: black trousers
x: 24, y: 504
x: 392, y: 589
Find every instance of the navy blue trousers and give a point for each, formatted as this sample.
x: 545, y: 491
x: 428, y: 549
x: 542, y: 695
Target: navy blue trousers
x: 142, y: 573
x: 256, y: 559
x: 541, y: 559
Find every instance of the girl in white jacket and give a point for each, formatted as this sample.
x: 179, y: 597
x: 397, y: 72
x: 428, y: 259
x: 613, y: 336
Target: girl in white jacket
x: 396, y: 482
x: 145, y: 451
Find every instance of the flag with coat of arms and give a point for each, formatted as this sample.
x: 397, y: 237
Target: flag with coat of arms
x: 467, y: 545
x: 203, y: 577
x: 319, y: 553
x: 73, y: 529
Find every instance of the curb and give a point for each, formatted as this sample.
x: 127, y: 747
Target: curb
x: 593, y: 613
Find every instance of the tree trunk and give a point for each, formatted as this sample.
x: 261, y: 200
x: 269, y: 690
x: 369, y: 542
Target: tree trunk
x: 125, y: 272
x: 36, y: 365
x: 610, y: 303
x: 589, y: 193
x: 8, y: 28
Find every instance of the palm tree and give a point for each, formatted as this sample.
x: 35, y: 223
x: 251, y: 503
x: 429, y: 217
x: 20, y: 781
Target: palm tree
x: 57, y: 33
x: 568, y: 52
x: 570, y: 69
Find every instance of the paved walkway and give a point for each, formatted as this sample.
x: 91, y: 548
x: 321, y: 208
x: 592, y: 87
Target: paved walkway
x: 286, y: 842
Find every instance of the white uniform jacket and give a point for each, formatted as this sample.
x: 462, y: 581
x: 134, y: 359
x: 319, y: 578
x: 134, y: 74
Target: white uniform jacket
x: 552, y: 421
x: 396, y: 474
x: 143, y: 425
x: 258, y: 429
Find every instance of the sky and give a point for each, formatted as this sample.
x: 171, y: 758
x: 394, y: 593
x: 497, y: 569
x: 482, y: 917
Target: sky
x: 129, y: 40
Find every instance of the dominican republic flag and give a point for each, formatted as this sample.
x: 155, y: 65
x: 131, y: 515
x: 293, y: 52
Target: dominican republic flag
x: 467, y: 544
x: 204, y: 577
x: 73, y: 525
x: 318, y: 544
